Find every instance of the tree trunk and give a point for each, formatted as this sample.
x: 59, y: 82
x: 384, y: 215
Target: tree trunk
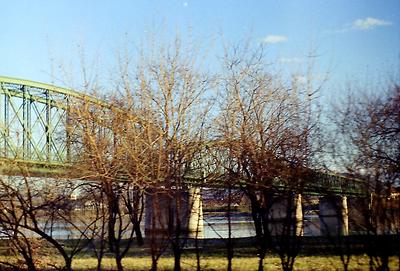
x: 98, y: 265
x: 100, y: 253
x: 230, y: 241
x: 118, y: 261
x: 68, y: 264
x: 261, y: 257
x: 154, y: 263
x: 111, y: 230
x: 28, y: 259
x: 230, y: 257
x: 30, y: 264
x: 138, y: 232
x: 196, y: 242
x: 177, y: 257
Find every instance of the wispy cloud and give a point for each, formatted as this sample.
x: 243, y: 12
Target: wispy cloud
x: 274, y: 39
x: 365, y: 24
x: 369, y: 23
x: 290, y: 60
x: 300, y: 78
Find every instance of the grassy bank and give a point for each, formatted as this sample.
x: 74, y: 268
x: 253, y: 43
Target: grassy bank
x: 316, y: 263
x: 316, y: 254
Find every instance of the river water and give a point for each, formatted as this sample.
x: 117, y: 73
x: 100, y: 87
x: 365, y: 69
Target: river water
x: 215, y: 226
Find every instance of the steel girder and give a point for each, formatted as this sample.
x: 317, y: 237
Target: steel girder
x: 34, y: 120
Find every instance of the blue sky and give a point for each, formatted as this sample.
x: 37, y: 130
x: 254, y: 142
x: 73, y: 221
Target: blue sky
x: 353, y: 39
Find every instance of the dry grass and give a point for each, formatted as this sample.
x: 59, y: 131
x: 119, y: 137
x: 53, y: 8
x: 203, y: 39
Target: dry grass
x: 306, y: 263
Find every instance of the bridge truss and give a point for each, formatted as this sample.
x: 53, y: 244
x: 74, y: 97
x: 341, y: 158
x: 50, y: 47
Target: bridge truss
x: 34, y: 124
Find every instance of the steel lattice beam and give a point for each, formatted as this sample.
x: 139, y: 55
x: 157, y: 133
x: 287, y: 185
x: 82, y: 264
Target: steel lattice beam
x: 33, y: 121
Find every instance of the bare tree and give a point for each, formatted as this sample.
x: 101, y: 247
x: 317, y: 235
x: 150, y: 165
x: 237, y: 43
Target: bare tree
x: 265, y: 125
x: 31, y: 209
x: 93, y: 207
x: 369, y: 149
x: 171, y: 92
x: 112, y: 153
x: 147, y: 139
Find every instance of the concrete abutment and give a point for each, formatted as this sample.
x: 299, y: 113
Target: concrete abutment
x: 171, y: 212
x: 334, y: 215
x: 286, y: 215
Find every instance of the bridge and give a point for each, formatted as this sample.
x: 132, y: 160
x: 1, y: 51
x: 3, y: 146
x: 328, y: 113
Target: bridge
x: 34, y: 125
x: 35, y: 133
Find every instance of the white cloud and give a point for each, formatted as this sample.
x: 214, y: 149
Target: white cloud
x: 363, y: 24
x: 369, y: 23
x: 290, y: 60
x: 274, y: 39
x: 300, y: 78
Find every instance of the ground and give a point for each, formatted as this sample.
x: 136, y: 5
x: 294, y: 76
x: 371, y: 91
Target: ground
x: 214, y: 263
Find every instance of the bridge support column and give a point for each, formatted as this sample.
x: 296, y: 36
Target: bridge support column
x: 333, y: 214
x: 196, y: 220
x: 359, y: 213
x: 174, y: 212
x: 286, y: 216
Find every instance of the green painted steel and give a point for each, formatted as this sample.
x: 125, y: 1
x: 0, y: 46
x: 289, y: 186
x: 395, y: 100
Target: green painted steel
x: 316, y: 184
x: 33, y: 124
x: 53, y: 89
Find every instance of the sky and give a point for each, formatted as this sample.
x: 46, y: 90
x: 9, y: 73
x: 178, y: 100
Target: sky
x: 351, y: 39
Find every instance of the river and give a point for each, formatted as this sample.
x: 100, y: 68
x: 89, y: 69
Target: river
x: 215, y: 226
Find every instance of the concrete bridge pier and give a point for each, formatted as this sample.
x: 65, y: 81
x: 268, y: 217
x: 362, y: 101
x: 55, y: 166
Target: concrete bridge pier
x: 286, y: 215
x: 334, y: 216
x: 359, y: 213
x: 171, y: 212
x: 196, y: 219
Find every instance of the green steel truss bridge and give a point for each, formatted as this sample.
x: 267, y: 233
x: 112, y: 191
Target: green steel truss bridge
x: 35, y: 134
x: 33, y: 125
